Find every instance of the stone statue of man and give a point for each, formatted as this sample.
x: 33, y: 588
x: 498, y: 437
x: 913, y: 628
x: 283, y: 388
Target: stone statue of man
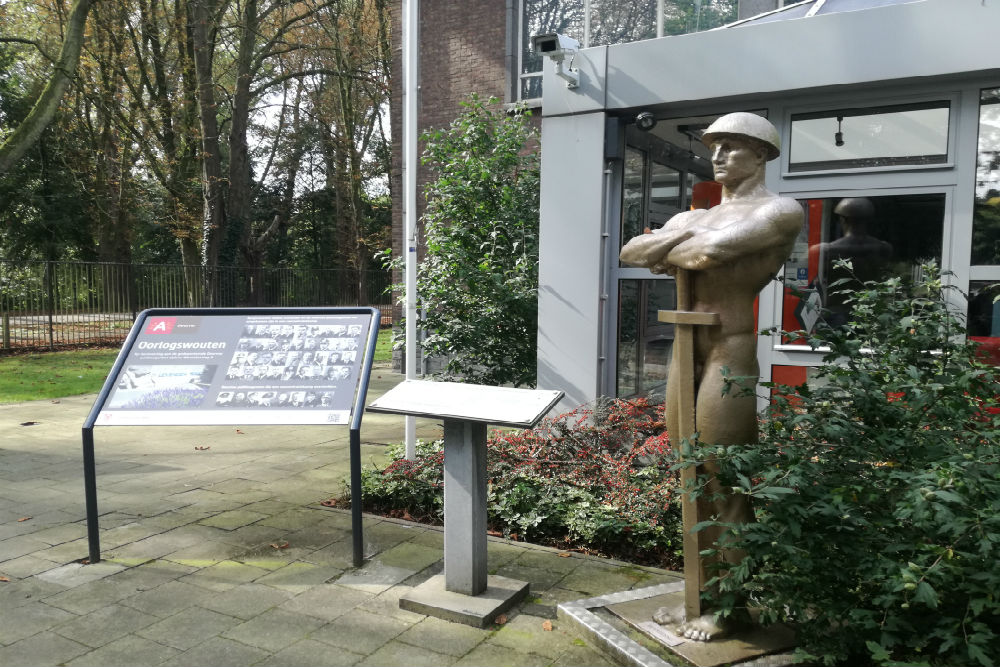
x: 731, y: 251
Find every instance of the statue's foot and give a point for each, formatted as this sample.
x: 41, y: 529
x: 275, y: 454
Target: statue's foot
x: 669, y: 616
x: 705, y: 628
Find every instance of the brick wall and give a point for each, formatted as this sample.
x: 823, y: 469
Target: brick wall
x: 462, y: 51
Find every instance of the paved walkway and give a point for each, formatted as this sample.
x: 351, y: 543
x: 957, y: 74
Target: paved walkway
x: 224, y: 556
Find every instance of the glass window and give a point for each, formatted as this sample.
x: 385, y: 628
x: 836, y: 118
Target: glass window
x: 644, y: 343
x: 621, y: 21
x: 602, y: 22
x: 633, y: 193
x: 986, y: 214
x: 884, y: 236
x: 913, y: 134
x: 539, y: 17
x: 664, y: 194
x: 681, y: 17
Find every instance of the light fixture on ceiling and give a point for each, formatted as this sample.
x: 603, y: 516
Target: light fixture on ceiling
x: 838, y: 136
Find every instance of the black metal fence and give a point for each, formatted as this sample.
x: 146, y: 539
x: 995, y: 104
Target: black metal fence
x: 52, y: 304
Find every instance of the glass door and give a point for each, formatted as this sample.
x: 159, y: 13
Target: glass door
x: 660, y: 170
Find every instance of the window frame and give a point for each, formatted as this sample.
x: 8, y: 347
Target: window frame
x: 953, y: 98
x: 788, y: 354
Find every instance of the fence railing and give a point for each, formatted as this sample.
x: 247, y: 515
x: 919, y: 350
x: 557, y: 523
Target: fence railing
x: 52, y: 304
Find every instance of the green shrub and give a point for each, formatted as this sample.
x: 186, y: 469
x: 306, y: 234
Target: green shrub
x: 595, y: 479
x: 478, y: 281
x: 877, y: 490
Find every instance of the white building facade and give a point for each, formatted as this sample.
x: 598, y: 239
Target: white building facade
x: 893, y: 101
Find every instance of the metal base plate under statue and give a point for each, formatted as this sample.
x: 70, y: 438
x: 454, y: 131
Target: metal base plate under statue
x: 611, y: 621
x: 465, y: 593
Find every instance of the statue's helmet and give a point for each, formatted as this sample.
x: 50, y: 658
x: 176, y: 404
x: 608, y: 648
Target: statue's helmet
x: 855, y: 207
x: 748, y: 125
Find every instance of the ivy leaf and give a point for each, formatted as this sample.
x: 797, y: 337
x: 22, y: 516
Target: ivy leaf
x: 925, y: 594
x: 879, y: 654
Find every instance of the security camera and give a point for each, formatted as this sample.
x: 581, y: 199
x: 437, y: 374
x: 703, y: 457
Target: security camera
x: 645, y: 121
x: 557, y: 47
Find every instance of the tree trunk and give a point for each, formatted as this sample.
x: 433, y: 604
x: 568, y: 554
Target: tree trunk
x: 238, y: 235
x: 202, y: 27
x: 27, y: 133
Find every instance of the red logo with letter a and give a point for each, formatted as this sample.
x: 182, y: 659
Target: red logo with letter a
x: 160, y: 325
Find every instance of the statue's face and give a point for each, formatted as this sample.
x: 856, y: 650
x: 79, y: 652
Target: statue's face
x: 734, y: 160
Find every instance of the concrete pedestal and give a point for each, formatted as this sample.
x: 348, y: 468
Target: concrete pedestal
x: 433, y: 599
x: 465, y: 594
x: 464, y: 506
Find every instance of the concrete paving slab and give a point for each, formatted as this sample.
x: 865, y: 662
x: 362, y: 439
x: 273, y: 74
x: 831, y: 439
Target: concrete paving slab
x: 360, y: 631
x: 25, y: 591
x: 125, y: 652
x: 224, y: 575
x: 60, y: 533
x: 76, y: 574
x: 387, y: 604
x: 399, y: 654
x: 218, y: 652
x: 168, y: 599
x: 188, y: 628
x: 326, y: 601
x: 246, y: 601
x: 528, y: 634
x: 45, y: 648
x: 410, y: 556
x: 105, y: 625
x: 593, y: 579
x: 501, y: 656
x: 436, y: 634
x: 17, y: 623
x: 274, y: 630
x: 374, y: 577
x: 92, y: 596
x: 299, y: 576
x: 311, y: 653
x: 21, y: 545
x: 25, y: 566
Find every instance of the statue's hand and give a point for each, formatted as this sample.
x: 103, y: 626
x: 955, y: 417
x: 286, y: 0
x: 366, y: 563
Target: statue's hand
x: 650, y: 250
x: 663, y: 267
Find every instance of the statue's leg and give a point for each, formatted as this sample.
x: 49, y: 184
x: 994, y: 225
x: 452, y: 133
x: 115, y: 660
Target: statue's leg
x: 721, y: 419
x: 726, y: 419
x: 671, y: 413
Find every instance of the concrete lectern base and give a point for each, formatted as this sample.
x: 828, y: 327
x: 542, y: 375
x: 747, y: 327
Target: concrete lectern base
x: 431, y: 599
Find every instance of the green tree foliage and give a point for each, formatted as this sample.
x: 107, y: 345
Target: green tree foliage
x: 477, y: 283
x: 45, y: 106
x: 877, y: 490
x: 285, y: 130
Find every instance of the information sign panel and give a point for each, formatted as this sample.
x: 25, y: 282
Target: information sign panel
x: 239, y: 366
x: 262, y: 368
x: 503, y: 406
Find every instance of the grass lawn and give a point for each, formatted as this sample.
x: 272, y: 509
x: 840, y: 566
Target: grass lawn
x: 38, y: 375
